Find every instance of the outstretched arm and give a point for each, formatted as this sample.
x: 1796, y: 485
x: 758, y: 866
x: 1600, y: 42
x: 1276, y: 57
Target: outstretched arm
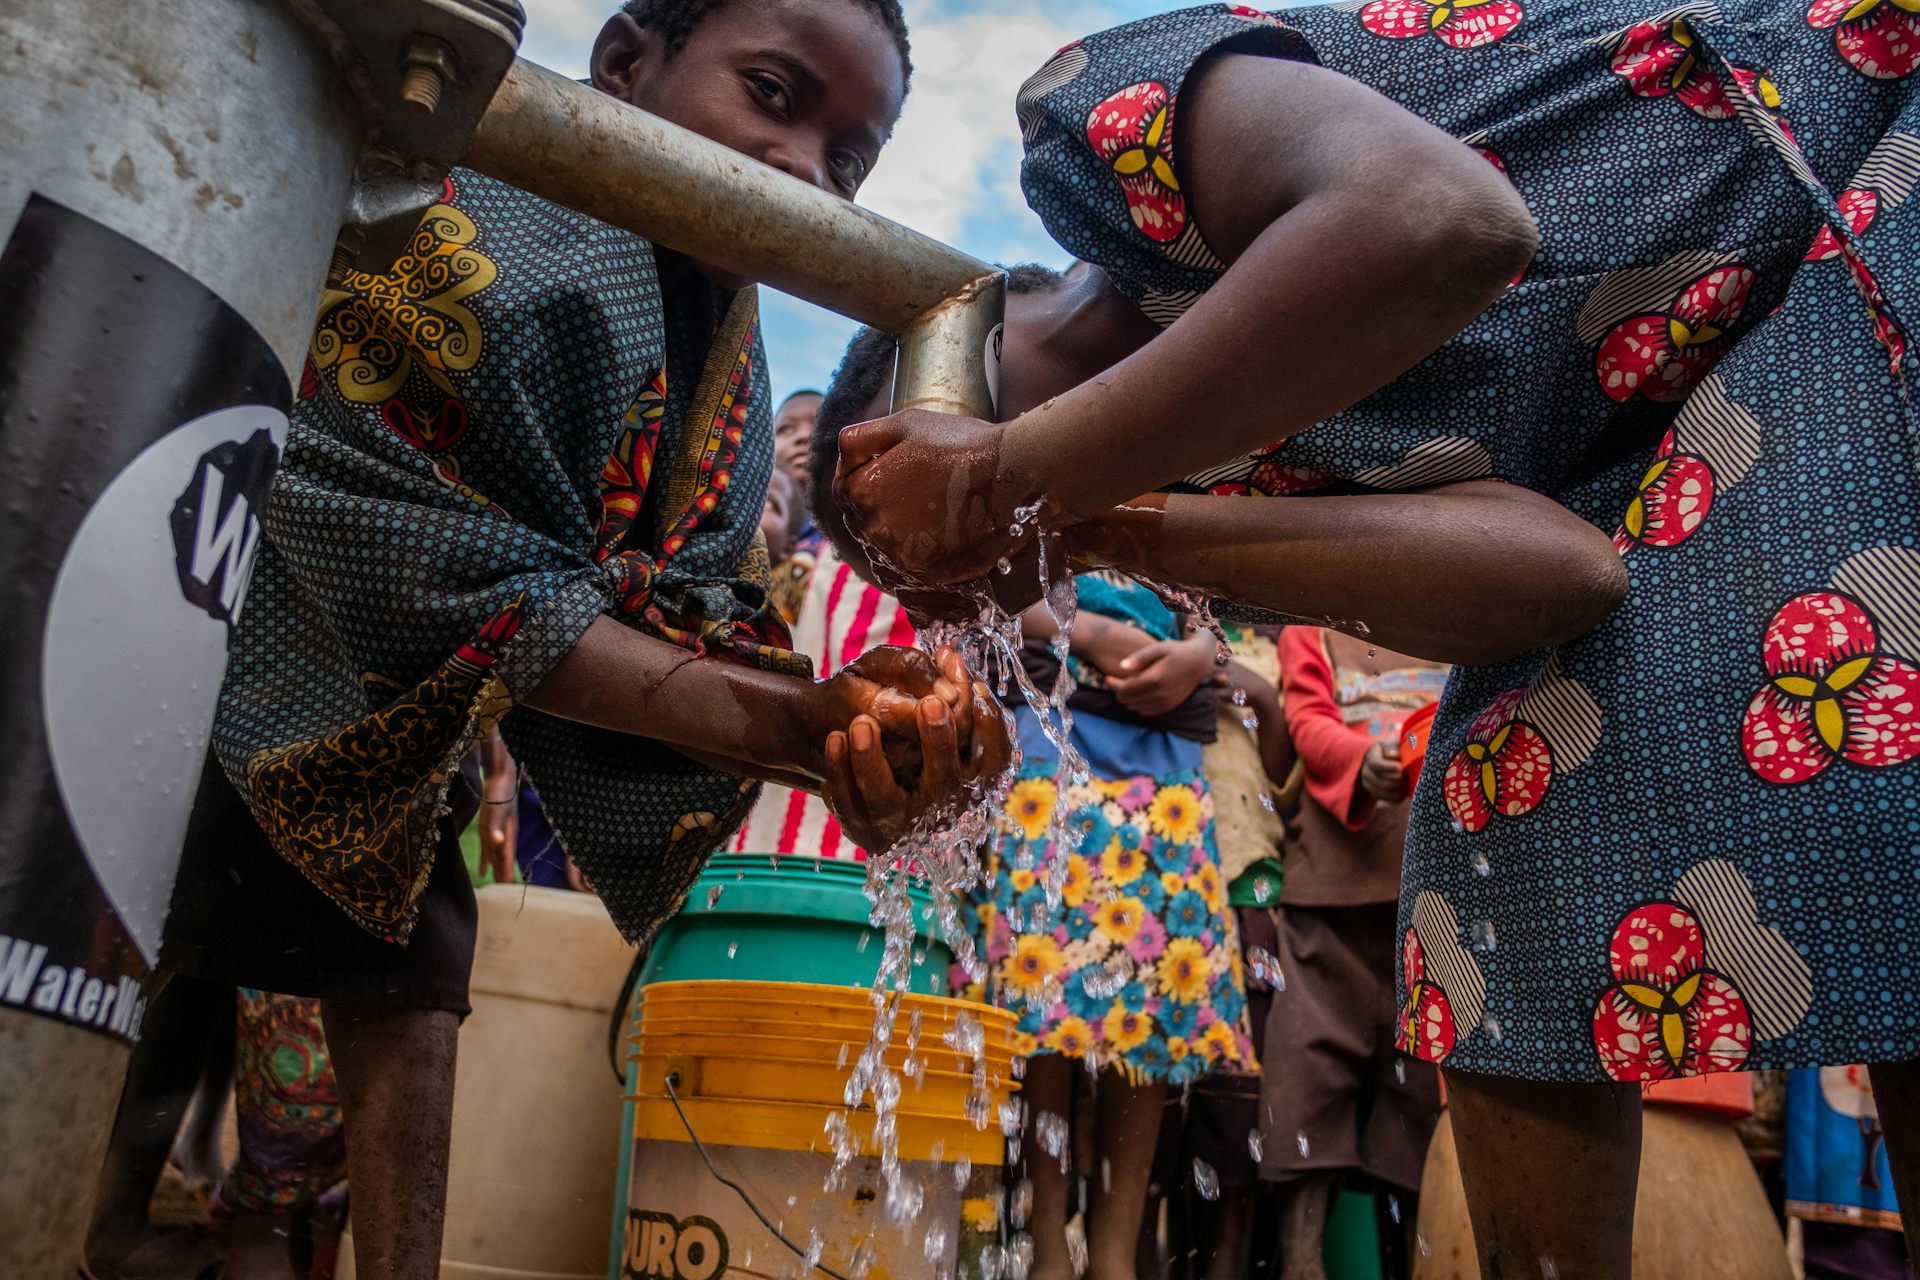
x: 1359, y: 239
x: 893, y: 712
x: 1469, y: 573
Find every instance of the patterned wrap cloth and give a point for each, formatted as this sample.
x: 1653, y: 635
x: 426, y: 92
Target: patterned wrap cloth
x: 286, y: 1101
x: 531, y: 421
x: 1690, y: 840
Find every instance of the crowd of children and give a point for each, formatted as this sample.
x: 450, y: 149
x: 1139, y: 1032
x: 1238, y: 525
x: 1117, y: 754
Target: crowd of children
x: 1607, y: 407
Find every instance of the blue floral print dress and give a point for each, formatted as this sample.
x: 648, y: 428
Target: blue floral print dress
x: 1136, y: 967
x: 1689, y: 841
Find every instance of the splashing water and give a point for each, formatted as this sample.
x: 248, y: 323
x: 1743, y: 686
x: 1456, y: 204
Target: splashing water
x: 1077, y: 1245
x: 1050, y: 1131
x: 1205, y: 1180
x: 1266, y: 968
x: 1020, y: 1204
x: 943, y: 851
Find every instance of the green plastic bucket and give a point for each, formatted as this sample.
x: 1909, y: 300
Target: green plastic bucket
x: 804, y: 920
x: 1350, y: 1250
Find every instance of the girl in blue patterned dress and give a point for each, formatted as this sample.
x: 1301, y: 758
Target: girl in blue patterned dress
x: 1131, y: 969
x: 1649, y: 263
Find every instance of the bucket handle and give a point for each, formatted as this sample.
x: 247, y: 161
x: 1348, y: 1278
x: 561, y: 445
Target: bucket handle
x: 673, y: 1096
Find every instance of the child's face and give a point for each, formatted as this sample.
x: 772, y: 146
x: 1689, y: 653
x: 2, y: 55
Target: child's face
x: 810, y: 87
x: 776, y: 518
x: 793, y: 435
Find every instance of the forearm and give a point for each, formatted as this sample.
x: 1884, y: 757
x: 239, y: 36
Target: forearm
x: 1355, y: 252
x: 1095, y: 638
x: 1471, y: 573
x: 1322, y: 335
x: 497, y: 773
x: 732, y: 716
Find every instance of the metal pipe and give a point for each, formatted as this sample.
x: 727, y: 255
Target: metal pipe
x: 949, y: 357
x: 588, y: 151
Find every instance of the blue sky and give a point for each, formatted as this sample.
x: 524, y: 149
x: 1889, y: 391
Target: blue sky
x: 951, y: 169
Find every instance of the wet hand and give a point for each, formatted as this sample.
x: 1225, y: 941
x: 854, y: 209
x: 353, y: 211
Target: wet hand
x: 1380, y: 774
x: 927, y: 493
x: 881, y: 784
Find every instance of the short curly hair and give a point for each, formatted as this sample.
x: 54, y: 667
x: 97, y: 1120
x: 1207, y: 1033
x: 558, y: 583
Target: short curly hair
x: 674, y: 21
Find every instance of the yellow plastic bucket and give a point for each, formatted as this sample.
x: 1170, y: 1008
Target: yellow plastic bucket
x: 759, y: 1072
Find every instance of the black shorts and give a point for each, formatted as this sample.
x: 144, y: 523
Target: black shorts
x: 243, y: 917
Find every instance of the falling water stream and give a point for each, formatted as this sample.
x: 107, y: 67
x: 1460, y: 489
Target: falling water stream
x: 944, y: 852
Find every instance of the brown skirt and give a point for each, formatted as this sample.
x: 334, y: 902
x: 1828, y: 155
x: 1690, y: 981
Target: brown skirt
x: 1335, y: 1092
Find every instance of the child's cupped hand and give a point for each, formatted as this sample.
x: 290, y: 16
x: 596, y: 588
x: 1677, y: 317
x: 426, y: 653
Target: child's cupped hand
x: 927, y: 493
x: 907, y: 739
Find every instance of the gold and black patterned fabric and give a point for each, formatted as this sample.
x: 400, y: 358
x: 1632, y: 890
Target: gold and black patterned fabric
x: 532, y: 420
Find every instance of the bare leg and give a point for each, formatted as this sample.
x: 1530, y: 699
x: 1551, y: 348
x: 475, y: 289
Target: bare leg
x: 1229, y: 1233
x: 196, y: 1151
x: 1129, y: 1127
x: 1896, y: 1092
x: 182, y: 1021
x: 1550, y: 1172
x: 1048, y: 1090
x: 395, y: 1068
x: 1304, y: 1204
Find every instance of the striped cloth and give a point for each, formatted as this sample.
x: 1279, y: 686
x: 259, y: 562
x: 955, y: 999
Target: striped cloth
x: 841, y: 617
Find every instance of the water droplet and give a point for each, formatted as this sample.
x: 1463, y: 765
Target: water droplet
x: 1263, y: 887
x: 1020, y: 1204
x: 1483, y: 939
x: 1426, y: 1250
x: 1300, y: 1141
x: 1050, y: 1131
x: 1549, y: 1269
x: 1393, y: 1207
x: 1003, y: 565
x: 861, y: 946
x: 1482, y: 865
x: 1254, y: 1147
x: 935, y: 1246
x: 713, y: 895
x: 1400, y: 1070
x: 1077, y: 1246
x: 1491, y: 1025
x: 1266, y: 968
x: 1205, y: 1180
x: 733, y: 949
x: 1266, y: 802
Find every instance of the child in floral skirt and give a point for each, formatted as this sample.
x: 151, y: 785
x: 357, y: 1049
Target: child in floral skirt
x: 1134, y: 970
